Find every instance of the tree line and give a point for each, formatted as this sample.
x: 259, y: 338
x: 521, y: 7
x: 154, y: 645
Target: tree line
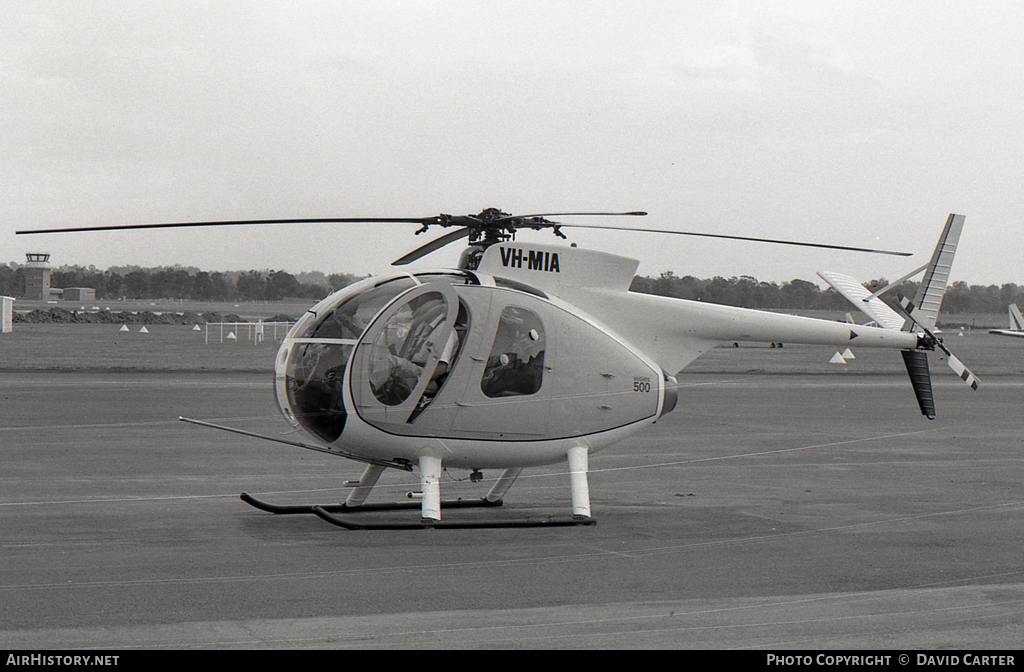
x: 182, y: 283
x: 748, y: 292
x: 743, y: 291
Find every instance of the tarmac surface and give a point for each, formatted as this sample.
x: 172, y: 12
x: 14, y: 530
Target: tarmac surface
x: 766, y: 512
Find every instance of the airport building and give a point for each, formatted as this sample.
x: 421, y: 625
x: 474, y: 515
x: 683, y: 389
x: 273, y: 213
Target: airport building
x: 37, y: 276
x: 79, y: 294
x: 37, y: 282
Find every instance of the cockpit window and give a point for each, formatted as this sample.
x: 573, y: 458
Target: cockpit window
x: 351, y: 317
x: 323, y: 342
x: 313, y: 383
x: 406, y: 347
x: 516, y: 363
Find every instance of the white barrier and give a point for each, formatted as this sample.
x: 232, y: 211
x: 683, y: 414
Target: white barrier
x: 255, y: 332
x: 6, y: 314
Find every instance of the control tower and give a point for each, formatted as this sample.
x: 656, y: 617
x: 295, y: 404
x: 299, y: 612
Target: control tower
x: 37, y: 276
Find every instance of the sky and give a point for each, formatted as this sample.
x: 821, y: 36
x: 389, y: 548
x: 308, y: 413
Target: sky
x: 849, y: 123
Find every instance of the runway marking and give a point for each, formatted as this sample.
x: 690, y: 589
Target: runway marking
x: 523, y: 477
x: 152, y: 381
x: 779, y: 451
x: 821, y: 530
x: 111, y: 500
x: 154, y: 498
x: 133, y: 424
x: 105, y: 425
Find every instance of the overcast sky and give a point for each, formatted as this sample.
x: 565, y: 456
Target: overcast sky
x: 853, y: 123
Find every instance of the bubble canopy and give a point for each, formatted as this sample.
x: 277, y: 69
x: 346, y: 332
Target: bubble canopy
x: 312, y: 363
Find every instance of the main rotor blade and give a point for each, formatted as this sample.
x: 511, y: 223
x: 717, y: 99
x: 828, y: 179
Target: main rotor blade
x: 239, y: 222
x: 573, y: 214
x: 433, y: 245
x: 720, y: 235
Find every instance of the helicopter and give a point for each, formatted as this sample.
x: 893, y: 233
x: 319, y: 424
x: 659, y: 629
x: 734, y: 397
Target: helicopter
x: 525, y: 355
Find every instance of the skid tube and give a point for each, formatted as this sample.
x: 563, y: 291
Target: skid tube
x: 424, y: 524
x: 328, y: 511
x: 290, y: 509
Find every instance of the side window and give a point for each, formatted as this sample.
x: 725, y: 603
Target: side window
x: 516, y: 363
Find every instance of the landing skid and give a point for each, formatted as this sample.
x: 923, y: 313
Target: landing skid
x: 328, y: 511
x: 425, y: 524
x: 288, y: 509
x: 430, y: 503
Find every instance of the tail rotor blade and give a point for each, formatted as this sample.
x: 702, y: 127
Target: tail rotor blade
x: 960, y: 370
x: 906, y: 308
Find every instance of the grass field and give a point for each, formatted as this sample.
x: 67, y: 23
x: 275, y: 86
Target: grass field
x: 253, y: 310
x: 95, y: 347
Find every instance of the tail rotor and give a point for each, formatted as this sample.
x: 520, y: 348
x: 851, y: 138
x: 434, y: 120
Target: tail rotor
x: 917, y: 316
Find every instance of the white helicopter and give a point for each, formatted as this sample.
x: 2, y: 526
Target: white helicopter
x: 526, y: 355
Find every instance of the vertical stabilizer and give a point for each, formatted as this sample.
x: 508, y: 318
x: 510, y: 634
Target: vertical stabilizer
x: 918, y: 315
x: 1016, y: 321
x: 936, y: 275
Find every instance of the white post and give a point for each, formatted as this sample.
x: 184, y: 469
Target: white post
x: 578, y: 465
x: 430, y: 485
x: 6, y: 314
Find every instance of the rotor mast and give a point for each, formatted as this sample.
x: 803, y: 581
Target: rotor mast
x: 493, y: 226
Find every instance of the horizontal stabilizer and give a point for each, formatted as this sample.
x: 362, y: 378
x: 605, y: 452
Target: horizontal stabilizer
x: 859, y: 296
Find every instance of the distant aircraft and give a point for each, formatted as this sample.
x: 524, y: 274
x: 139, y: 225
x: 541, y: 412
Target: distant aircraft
x: 1016, y: 324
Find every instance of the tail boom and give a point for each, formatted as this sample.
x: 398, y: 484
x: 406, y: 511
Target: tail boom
x: 676, y: 331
